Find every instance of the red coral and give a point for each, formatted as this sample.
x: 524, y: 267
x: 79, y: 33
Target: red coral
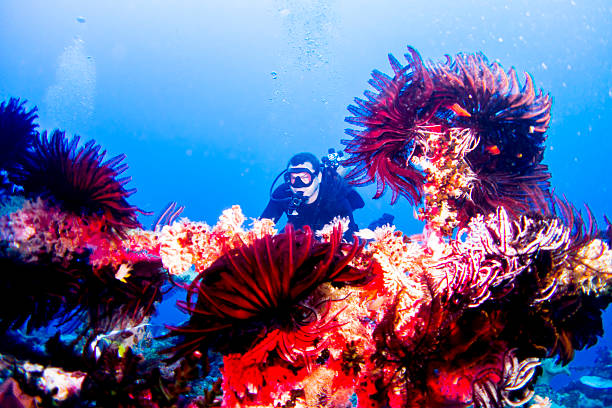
x: 452, y: 355
x: 245, y: 383
x: 260, y: 298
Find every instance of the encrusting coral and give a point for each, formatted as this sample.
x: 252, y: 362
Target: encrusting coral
x: 503, y: 275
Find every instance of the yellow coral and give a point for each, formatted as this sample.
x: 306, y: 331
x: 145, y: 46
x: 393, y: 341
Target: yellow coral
x: 398, y: 256
x: 540, y: 402
x: 176, y: 244
x: 348, y: 305
x: 187, y: 243
x: 318, y: 391
x: 261, y: 227
x: 449, y: 177
x: 326, y: 232
x: 591, y: 268
x: 230, y: 222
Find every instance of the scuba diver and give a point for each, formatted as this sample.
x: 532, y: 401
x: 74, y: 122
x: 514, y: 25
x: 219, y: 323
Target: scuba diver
x: 313, y: 194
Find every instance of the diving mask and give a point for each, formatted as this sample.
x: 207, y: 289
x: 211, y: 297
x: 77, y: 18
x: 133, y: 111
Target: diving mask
x: 299, y: 177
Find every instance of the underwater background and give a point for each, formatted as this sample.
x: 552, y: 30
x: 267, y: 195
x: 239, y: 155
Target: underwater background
x: 209, y: 99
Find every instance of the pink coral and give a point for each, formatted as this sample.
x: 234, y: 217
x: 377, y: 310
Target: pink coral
x: 186, y: 243
x: 41, y: 229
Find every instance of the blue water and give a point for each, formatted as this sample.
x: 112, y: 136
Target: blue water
x: 208, y: 99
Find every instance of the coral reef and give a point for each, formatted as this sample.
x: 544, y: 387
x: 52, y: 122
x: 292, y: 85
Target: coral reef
x: 504, y: 278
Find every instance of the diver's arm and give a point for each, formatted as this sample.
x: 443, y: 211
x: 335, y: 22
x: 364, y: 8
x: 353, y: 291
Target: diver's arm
x: 273, y: 210
x: 355, y: 200
x: 279, y: 200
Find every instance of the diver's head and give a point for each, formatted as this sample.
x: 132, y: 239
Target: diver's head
x: 304, y: 175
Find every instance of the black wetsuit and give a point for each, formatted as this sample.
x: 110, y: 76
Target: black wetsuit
x: 336, y: 198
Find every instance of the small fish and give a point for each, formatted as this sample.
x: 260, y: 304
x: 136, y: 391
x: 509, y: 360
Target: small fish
x: 366, y: 234
x: 81, y: 19
x: 123, y: 273
x: 595, y: 381
x: 122, y: 350
x: 493, y: 149
x: 459, y: 110
x: 104, y: 340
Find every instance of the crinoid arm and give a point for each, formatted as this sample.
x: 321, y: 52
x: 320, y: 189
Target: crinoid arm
x: 260, y: 296
x: 382, y: 151
x: 79, y: 179
x: 508, y: 121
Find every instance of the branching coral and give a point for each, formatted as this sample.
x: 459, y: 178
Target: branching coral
x: 186, y: 243
x: 449, y: 177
